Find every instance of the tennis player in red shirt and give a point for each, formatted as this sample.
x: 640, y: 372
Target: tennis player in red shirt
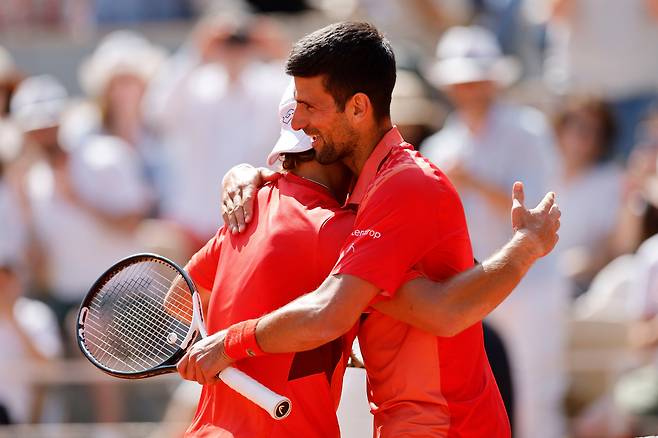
x: 292, y: 246
x: 409, y: 219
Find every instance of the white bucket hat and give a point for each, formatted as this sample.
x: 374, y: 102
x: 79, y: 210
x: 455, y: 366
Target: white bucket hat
x: 120, y: 52
x: 38, y: 103
x: 471, y: 54
x: 290, y: 141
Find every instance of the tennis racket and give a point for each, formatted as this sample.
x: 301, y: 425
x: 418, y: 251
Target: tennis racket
x: 140, y: 317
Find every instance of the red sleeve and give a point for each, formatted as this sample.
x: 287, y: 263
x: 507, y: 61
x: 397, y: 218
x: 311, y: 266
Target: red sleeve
x: 403, y: 218
x: 202, y: 267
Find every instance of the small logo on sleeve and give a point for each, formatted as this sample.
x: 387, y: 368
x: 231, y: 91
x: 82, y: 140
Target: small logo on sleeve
x: 370, y: 233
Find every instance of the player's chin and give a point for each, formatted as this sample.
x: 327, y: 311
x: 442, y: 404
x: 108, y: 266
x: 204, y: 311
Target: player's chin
x: 326, y: 155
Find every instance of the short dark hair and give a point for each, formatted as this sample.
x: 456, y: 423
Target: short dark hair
x: 354, y: 57
x: 292, y: 160
x: 597, y: 108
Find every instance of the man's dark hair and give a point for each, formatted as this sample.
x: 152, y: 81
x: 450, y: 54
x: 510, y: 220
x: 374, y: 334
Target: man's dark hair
x: 606, y: 128
x: 292, y: 160
x: 353, y: 57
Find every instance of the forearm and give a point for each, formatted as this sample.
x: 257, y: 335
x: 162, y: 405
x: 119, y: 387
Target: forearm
x: 447, y: 308
x: 316, y: 318
x: 298, y: 326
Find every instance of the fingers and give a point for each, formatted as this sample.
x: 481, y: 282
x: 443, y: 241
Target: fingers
x: 237, y: 209
x: 182, y: 367
x: 545, y: 205
x: 518, y: 212
x: 228, y: 212
x: 554, y: 213
x: 238, y: 214
x: 518, y: 195
x: 248, y: 200
x: 191, y: 368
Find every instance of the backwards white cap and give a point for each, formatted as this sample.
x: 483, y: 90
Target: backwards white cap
x: 290, y: 141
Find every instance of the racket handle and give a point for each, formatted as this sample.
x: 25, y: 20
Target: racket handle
x: 277, y: 406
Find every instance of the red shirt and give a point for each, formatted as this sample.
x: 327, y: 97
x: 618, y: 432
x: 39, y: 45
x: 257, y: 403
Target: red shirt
x: 410, y: 217
x: 288, y: 250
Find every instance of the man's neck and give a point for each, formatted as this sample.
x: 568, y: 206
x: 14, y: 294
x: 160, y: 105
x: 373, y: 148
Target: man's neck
x: 367, y: 143
x: 335, y: 177
x: 476, y: 118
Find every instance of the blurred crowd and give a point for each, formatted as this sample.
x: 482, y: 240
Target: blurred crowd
x: 559, y: 94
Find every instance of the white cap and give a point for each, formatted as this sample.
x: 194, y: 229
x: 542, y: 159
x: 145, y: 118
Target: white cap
x: 471, y: 54
x: 290, y: 141
x: 120, y: 52
x: 38, y: 103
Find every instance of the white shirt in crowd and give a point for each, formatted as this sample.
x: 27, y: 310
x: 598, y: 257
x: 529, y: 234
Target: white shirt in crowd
x: 590, y: 204
x: 39, y: 323
x: 516, y: 145
x: 626, y: 289
x: 11, y: 221
x: 608, y: 47
x: 106, y: 175
x: 208, y: 125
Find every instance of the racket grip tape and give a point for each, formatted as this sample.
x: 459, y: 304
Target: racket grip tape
x: 277, y: 406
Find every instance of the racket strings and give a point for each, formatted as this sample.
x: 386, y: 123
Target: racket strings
x: 139, y: 317
x: 120, y: 342
x: 147, y: 335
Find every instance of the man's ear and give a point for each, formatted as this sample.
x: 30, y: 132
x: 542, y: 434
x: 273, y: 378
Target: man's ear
x: 359, y: 107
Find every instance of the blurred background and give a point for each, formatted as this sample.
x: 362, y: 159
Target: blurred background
x: 119, y: 117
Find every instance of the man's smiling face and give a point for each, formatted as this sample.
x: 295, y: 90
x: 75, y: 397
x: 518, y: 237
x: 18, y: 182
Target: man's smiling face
x: 317, y: 114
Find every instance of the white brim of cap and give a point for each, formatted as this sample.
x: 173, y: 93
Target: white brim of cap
x: 289, y: 142
x: 454, y: 71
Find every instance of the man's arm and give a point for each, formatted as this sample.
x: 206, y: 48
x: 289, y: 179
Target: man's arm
x: 309, y: 321
x: 321, y: 316
x: 449, y: 307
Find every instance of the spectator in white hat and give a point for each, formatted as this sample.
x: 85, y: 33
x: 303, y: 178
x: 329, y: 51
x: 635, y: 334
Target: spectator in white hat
x: 484, y: 146
x: 115, y: 78
x: 81, y: 203
x: 214, y: 106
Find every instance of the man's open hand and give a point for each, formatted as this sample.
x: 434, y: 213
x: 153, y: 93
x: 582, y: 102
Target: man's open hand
x: 540, y: 224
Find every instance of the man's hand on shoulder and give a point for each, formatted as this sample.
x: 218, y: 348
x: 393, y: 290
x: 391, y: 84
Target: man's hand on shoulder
x: 536, y: 228
x: 239, y: 188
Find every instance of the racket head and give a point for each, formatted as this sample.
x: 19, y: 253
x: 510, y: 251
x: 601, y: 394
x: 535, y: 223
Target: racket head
x: 132, y: 324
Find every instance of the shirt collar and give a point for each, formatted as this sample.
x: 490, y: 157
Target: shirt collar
x: 373, y: 163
